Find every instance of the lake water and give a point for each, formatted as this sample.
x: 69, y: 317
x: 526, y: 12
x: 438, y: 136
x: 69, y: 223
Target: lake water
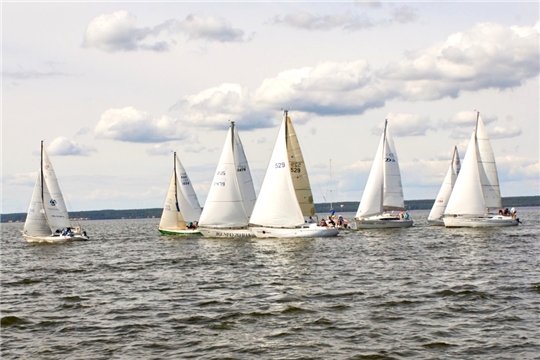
x: 421, y: 293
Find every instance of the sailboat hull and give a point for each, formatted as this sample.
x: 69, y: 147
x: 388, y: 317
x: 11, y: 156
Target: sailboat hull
x: 484, y: 221
x: 226, y: 233
x: 54, y: 239
x: 382, y: 222
x: 185, y: 232
x: 311, y: 231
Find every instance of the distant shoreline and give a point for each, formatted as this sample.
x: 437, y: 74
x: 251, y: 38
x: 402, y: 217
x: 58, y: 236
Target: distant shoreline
x: 339, y: 206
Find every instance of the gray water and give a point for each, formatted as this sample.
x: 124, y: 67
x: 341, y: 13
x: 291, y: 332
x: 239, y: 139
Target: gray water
x: 422, y: 293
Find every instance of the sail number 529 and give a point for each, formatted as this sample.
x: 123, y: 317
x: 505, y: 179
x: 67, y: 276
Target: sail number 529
x: 279, y: 165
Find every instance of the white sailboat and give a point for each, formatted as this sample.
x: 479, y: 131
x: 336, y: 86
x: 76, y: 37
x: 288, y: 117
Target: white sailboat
x: 48, y: 219
x: 383, y: 193
x: 232, y: 196
x: 477, y: 187
x: 181, y: 211
x: 285, y: 200
x: 435, y: 216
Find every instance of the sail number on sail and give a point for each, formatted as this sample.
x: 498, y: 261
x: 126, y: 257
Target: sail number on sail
x: 296, y: 166
x: 184, y: 178
x: 279, y: 165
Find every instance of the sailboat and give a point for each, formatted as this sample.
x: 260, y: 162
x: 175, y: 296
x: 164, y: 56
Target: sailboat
x: 383, y: 191
x: 232, y: 196
x: 285, y: 200
x: 181, y: 211
x: 477, y: 187
x: 435, y: 216
x: 48, y: 219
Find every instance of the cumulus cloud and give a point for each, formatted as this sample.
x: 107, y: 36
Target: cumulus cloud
x: 468, y: 61
x: 405, y: 14
x: 63, y: 146
x: 131, y: 125
x: 210, y: 29
x: 486, y: 56
x: 118, y: 31
x: 499, y: 132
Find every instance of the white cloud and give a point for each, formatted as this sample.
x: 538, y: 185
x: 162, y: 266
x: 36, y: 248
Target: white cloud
x: 63, y: 146
x: 405, y: 125
x: 308, y: 21
x: 405, y: 14
x: 210, y: 29
x: 487, y: 56
x: 132, y: 125
x: 499, y: 132
x: 118, y: 31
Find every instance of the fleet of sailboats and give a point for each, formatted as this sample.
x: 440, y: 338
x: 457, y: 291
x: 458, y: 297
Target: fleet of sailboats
x: 382, y: 205
x: 231, y: 198
x: 435, y: 216
x: 181, y: 211
x: 476, y: 191
x: 285, y: 200
x: 47, y: 219
x: 468, y: 197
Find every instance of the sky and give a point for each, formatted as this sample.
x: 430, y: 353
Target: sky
x: 113, y: 88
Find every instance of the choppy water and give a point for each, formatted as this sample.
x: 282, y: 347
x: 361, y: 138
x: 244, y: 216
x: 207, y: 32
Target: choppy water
x: 423, y: 293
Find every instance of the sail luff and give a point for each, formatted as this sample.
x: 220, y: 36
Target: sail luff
x: 187, y: 199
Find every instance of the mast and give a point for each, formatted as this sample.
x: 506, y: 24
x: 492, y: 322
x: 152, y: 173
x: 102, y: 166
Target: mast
x: 175, y: 184
x: 41, y: 171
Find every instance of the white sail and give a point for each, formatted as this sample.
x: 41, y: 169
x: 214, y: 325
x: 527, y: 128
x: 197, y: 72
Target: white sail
x: 36, y: 222
x: 53, y: 200
x: 371, y: 202
x: 393, y: 190
x: 446, y: 188
x: 171, y: 217
x: 189, y: 204
x: 243, y: 173
x: 383, y: 190
x: 467, y: 197
x: 487, y: 167
x: 181, y: 204
x: 277, y: 204
x: 231, y: 197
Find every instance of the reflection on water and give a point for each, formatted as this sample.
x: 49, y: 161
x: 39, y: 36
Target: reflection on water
x: 420, y: 292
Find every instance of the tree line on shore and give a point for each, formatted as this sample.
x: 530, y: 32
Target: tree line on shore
x: 345, y: 206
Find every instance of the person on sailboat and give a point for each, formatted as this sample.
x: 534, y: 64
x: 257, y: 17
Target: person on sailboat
x: 323, y: 222
x: 514, y: 212
x: 331, y: 221
x: 311, y: 221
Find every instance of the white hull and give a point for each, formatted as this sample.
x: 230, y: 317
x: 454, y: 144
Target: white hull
x: 484, y: 221
x: 382, y: 222
x: 185, y: 232
x: 55, y: 239
x: 311, y: 231
x: 226, y: 233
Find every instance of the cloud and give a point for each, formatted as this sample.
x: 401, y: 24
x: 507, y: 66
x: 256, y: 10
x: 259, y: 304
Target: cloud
x: 308, y: 21
x: 333, y: 88
x: 405, y: 125
x: 31, y: 74
x: 499, y: 132
x: 132, y: 125
x: 210, y: 29
x: 405, y: 14
x: 486, y: 56
x: 118, y: 31
x: 62, y: 146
